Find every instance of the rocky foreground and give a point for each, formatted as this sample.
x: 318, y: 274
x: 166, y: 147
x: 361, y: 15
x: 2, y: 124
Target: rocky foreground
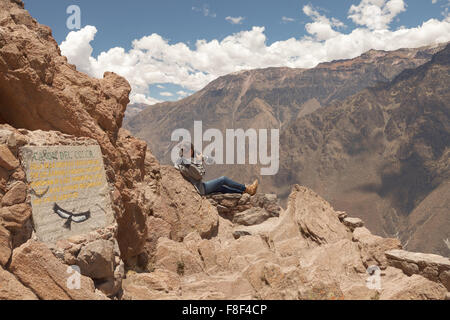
x: 164, y: 240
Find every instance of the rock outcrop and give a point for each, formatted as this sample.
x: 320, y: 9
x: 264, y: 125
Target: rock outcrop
x: 305, y: 253
x: 244, y: 209
x: 430, y: 266
x: 39, y: 90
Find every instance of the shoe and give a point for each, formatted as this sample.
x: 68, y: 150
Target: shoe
x: 251, y: 189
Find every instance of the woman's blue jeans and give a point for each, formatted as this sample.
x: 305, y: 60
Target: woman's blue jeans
x: 223, y: 185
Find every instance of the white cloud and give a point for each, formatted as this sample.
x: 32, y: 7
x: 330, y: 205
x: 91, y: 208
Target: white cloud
x: 78, y: 50
x: 166, y: 94
x: 152, y: 60
x: 376, y: 14
x: 182, y: 93
x: 205, y: 10
x: 287, y: 19
x: 141, y: 98
x: 235, y: 20
x: 160, y: 86
x: 321, y: 27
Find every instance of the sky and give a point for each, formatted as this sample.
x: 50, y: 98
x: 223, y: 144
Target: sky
x: 170, y: 49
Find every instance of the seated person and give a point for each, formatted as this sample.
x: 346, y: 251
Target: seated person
x: 193, y: 170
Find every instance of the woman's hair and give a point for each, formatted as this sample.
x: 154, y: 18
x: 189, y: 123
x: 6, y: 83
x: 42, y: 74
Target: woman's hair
x: 192, y: 150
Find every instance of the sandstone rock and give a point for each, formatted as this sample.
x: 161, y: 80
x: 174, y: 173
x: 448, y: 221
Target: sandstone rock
x: 160, y: 284
x: 373, y: 247
x: 245, y: 198
x: 38, y: 269
x: 5, y: 246
x: 16, y: 194
x: 15, y: 217
x: 315, y: 217
x: 251, y: 217
x: 40, y: 91
x: 132, y: 230
x: 200, y: 287
x: 175, y: 257
x: 239, y: 233
x: 229, y: 203
x: 157, y: 228
x: 96, y: 259
x: 430, y: 266
x: 183, y: 208
x: 444, y: 277
x: 341, y: 215
x: 12, y: 289
x: 7, y: 160
x: 4, y: 178
x: 353, y: 223
x: 395, y: 286
x: 421, y: 259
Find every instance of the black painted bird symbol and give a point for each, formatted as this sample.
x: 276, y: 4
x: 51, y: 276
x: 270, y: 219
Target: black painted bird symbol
x: 75, y: 217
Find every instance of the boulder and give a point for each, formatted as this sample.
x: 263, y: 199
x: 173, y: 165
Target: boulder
x: 353, y: 223
x: 396, y: 286
x: 7, y: 160
x: 373, y: 247
x: 38, y: 269
x: 315, y: 217
x: 12, y: 289
x: 16, y: 194
x: 160, y: 284
x: 15, y: 217
x: 177, y: 258
x: 251, y: 217
x: 180, y: 206
x: 430, y: 266
x: 96, y: 259
x: 5, y: 245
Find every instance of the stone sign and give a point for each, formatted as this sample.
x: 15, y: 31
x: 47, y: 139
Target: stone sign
x: 69, y: 191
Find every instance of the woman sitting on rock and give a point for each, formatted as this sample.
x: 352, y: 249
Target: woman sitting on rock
x: 193, y: 170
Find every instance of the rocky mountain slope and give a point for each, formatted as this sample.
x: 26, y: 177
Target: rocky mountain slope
x: 382, y: 155
x: 165, y: 241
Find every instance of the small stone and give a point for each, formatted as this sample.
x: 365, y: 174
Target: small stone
x: 238, y: 234
x: 445, y: 279
x: 221, y: 209
x: 229, y: 203
x: 244, y: 199
x: 16, y: 194
x: 353, y: 223
x: 251, y: 217
x: 19, y: 175
x: 5, y: 245
x: 232, y: 196
x: 7, y: 159
x: 217, y: 197
x: 409, y: 268
x: 341, y: 215
x: 244, y: 207
x: 431, y: 272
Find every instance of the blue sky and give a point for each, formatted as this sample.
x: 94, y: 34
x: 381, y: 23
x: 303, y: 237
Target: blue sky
x: 118, y: 23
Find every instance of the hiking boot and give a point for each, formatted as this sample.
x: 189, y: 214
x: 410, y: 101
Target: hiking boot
x: 251, y: 189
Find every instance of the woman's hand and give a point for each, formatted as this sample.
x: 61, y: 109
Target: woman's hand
x: 199, y: 156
